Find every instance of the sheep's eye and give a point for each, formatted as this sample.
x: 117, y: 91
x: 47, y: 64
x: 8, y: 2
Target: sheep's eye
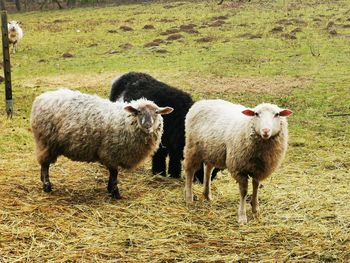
x: 277, y: 114
x: 256, y: 114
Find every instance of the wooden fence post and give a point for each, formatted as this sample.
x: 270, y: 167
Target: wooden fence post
x: 6, y: 60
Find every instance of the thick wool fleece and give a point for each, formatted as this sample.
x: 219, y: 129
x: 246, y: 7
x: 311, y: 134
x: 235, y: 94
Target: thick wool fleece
x: 87, y: 128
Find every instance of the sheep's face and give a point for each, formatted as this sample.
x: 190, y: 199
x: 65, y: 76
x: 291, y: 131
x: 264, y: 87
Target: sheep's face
x: 268, y: 119
x: 12, y: 26
x: 148, y: 115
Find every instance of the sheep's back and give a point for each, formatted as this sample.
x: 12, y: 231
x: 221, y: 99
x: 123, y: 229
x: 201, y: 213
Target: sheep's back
x: 207, y: 124
x: 71, y: 123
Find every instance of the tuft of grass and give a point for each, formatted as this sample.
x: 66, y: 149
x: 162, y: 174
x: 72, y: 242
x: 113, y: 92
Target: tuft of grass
x: 234, y: 55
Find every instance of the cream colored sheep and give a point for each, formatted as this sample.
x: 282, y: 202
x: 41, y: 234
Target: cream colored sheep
x: 248, y: 142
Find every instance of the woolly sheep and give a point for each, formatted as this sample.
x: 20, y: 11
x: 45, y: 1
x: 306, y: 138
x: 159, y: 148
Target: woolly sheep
x: 248, y: 142
x: 87, y: 128
x: 15, y: 33
x: 135, y: 85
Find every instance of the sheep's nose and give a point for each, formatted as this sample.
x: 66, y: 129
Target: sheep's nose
x: 266, y: 130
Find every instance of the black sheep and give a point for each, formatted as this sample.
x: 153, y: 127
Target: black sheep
x: 135, y: 85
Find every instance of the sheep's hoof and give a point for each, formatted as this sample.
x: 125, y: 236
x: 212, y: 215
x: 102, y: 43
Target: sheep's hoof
x: 189, y: 200
x: 47, y: 188
x: 115, y: 195
x: 256, y: 213
x: 242, y: 220
x: 208, y: 197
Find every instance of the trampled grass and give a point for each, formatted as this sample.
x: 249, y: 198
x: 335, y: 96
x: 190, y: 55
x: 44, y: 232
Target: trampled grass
x: 285, y: 52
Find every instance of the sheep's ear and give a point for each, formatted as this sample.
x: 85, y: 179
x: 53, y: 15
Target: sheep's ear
x: 249, y: 112
x: 285, y: 113
x: 131, y: 109
x: 19, y: 23
x: 165, y: 110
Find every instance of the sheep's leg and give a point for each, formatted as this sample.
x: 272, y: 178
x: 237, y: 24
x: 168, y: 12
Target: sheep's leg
x: 188, y: 187
x: 158, y: 161
x: 208, y: 168
x: 243, y: 189
x: 112, y: 183
x: 255, y: 201
x: 174, y: 169
x: 14, y: 48
x: 47, y: 187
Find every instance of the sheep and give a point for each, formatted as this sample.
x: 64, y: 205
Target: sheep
x: 15, y: 34
x: 135, y: 85
x: 248, y: 142
x: 88, y: 128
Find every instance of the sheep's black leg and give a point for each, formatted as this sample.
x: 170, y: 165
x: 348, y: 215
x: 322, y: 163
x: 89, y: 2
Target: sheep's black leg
x: 158, y: 161
x: 174, y: 169
x: 47, y: 187
x: 112, y: 183
x: 199, y: 175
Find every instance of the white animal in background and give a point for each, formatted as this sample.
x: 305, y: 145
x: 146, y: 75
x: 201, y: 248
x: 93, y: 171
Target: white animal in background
x: 15, y: 34
x: 248, y: 142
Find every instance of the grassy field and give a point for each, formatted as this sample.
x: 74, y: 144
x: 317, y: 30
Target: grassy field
x: 293, y: 53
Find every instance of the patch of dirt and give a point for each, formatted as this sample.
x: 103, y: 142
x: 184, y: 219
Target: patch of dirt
x: 160, y: 50
x: 345, y: 26
x: 151, y: 44
x: 330, y: 24
x: 285, y: 22
x: 250, y: 35
x: 220, y: 17
x: 57, y: 21
x: 174, y: 37
x: 217, y: 23
x: 317, y: 19
x: 112, y: 31
x: 148, y: 27
x: 170, y: 31
x: 67, y: 55
x: 296, y: 30
x: 260, y: 85
x: 277, y: 29
x: 333, y: 32
x: 112, y: 51
x: 288, y: 36
x: 167, y: 20
x: 243, y: 25
x: 71, y: 81
x: 187, y: 27
x: 204, y: 40
x: 126, y: 46
x: 126, y: 28
x: 42, y: 61
x: 93, y: 45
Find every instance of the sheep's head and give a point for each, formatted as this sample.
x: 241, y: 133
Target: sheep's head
x: 13, y: 25
x: 268, y: 119
x: 147, y: 114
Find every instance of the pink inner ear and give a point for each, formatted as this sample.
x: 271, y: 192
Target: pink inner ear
x: 248, y: 112
x: 285, y: 113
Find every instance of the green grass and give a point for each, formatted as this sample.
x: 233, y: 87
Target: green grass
x: 305, y: 207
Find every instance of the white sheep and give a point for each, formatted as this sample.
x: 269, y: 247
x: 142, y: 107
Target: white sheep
x: 88, y: 128
x: 248, y: 142
x: 15, y: 34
